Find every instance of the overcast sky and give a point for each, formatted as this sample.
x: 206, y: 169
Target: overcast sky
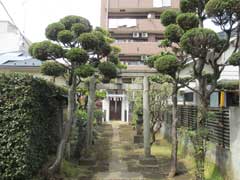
x: 33, y: 16
x: 37, y: 14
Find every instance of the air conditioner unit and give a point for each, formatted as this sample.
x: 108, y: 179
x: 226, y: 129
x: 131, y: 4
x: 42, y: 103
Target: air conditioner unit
x: 136, y: 34
x: 144, y: 35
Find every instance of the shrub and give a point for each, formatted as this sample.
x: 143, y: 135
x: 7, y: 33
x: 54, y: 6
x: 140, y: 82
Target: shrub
x: 65, y: 36
x: 53, y: 29
x: 108, y: 70
x: 168, y: 17
x: 52, y: 68
x: 173, y: 33
x: 234, y: 59
x: 198, y: 42
x: 85, y: 71
x: 77, y: 55
x: 167, y: 64
x: 187, y: 21
x: 28, y: 125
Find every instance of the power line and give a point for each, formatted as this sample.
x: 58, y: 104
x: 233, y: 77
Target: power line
x: 10, y: 17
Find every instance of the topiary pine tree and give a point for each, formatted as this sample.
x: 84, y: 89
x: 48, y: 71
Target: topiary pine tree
x: 200, y: 43
x: 205, y: 49
x: 168, y: 64
x: 195, y: 6
x: 73, y: 41
x: 172, y: 63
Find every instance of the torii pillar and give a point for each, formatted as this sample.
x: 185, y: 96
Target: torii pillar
x: 146, y: 119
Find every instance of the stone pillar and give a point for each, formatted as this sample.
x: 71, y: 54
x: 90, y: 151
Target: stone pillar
x: 91, y: 107
x: 146, y: 120
x: 239, y: 85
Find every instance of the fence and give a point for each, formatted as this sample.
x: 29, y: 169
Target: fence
x: 217, y: 123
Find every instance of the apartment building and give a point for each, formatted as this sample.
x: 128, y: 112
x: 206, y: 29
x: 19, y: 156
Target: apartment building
x: 136, y: 27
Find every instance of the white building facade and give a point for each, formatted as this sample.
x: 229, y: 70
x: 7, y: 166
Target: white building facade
x: 115, y: 107
x: 11, y: 39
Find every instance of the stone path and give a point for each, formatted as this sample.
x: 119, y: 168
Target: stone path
x: 118, y: 168
x: 117, y: 158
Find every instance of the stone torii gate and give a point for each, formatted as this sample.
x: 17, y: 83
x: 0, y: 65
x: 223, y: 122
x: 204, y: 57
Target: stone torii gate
x: 138, y: 86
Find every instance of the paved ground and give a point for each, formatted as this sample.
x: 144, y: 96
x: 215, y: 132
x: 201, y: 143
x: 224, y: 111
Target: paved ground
x: 117, y: 158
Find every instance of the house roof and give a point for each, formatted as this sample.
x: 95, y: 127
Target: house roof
x: 18, y: 59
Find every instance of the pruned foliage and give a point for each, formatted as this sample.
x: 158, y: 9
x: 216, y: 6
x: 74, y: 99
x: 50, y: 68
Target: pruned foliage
x: 108, y: 70
x: 29, y: 128
x: 70, y: 21
x: 53, y: 29
x: 234, y: 59
x: 187, y: 21
x: 199, y: 41
x: 173, y: 33
x: 168, y: 17
x: 46, y: 50
x: 167, y: 64
x: 52, y: 68
x: 223, y: 12
x: 85, y: 71
x: 77, y: 55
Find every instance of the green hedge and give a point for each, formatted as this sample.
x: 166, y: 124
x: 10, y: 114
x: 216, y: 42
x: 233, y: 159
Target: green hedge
x: 29, y: 128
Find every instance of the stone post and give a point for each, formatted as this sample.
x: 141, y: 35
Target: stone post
x: 91, y: 106
x: 146, y: 120
x: 239, y: 85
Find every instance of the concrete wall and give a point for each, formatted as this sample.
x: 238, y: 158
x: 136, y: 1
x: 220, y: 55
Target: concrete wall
x: 11, y: 40
x: 104, y: 14
x: 235, y: 141
x: 228, y: 161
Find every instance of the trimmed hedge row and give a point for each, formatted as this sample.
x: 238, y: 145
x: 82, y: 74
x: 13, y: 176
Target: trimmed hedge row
x: 29, y: 127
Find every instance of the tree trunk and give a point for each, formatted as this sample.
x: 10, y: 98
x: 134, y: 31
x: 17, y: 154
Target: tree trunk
x: 201, y: 25
x: 199, y: 141
x: 54, y: 79
x: 91, y: 107
x: 67, y: 128
x: 173, y: 169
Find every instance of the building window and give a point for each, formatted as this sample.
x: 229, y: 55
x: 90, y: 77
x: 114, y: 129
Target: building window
x: 125, y: 22
x: 188, y: 97
x: 144, y: 34
x: 136, y: 34
x: 232, y: 99
x: 135, y: 63
x: 124, y: 40
x: 161, y: 3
